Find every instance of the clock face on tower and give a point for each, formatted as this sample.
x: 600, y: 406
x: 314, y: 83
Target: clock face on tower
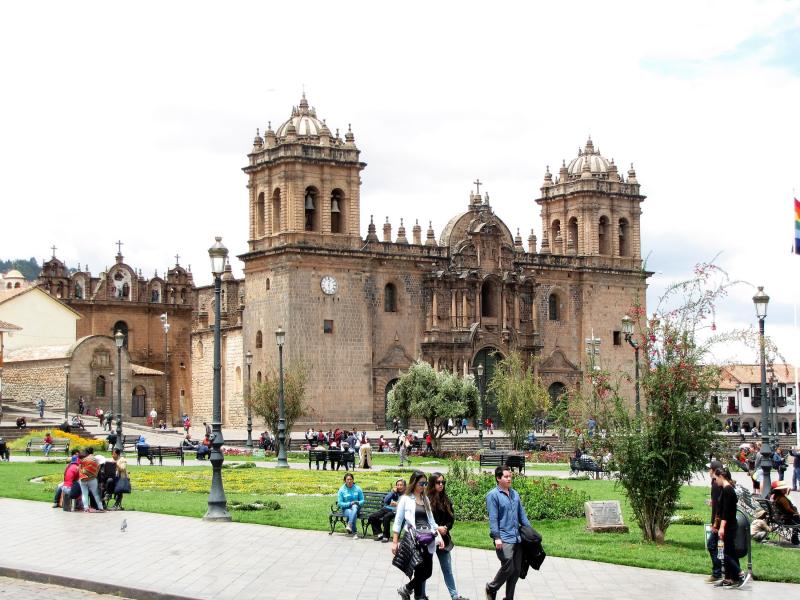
x: 329, y: 285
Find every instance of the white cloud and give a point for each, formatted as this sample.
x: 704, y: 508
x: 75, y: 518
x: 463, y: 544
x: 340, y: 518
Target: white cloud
x: 134, y: 124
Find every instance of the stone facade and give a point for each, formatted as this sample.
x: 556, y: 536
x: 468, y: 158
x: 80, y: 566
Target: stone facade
x: 121, y: 298
x: 358, y: 311
x: 33, y: 373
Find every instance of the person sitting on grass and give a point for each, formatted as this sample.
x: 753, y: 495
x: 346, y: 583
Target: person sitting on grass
x: 48, y: 444
x: 350, y: 498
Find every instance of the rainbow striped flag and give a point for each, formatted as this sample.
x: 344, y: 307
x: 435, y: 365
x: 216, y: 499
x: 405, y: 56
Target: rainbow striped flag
x: 796, y: 226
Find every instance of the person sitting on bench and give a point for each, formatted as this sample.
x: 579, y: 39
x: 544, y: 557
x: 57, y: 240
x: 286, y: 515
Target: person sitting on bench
x: 381, y: 520
x: 63, y: 489
x: 203, y: 450
x: 143, y: 448
x: 785, y: 509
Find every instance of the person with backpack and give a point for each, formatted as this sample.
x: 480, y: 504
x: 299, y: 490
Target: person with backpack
x: 734, y: 577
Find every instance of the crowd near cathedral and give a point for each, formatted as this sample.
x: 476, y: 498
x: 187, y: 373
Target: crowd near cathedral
x: 358, y: 307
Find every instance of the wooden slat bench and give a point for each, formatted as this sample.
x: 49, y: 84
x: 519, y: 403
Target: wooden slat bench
x: 59, y: 444
x: 502, y: 459
x: 373, y: 502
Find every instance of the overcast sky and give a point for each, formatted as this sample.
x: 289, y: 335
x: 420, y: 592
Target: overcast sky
x: 133, y: 121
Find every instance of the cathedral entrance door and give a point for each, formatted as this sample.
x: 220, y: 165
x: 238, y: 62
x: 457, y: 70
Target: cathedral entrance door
x: 488, y: 357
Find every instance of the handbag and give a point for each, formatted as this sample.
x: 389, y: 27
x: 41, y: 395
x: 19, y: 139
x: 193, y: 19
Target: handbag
x: 409, y: 554
x: 123, y: 486
x: 424, y: 536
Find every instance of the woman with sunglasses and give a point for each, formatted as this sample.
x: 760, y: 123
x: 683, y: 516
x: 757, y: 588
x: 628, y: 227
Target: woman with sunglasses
x: 414, y: 513
x: 442, y: 509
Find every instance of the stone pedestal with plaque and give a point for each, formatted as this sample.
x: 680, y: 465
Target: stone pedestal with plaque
x: 604, y: 517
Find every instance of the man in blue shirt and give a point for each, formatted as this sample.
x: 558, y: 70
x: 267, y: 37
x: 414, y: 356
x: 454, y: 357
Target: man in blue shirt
x: 381, y: 520
x: 506, y: 516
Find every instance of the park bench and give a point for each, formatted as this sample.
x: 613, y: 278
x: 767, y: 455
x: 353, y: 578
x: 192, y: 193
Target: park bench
x: 373, y: 502
x: 334, y: 456
x: 777, y: 521
x: 58, y: 444
x: 129, y: 442
x: 159, y: 452
x: 502, y: 459
x: 586, y: 464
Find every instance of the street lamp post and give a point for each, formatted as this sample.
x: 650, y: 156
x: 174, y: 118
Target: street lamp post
x: 119, y: 340
x: 249, y: 360
x: 110, y: 400
x: 167, y: 408
x: 217, y: 503
x: 761, y: 300
x: 482, y: 389
x: 280, y: 338
x: 66, y: 393
x: 627, y: 329
x: 593, y: 351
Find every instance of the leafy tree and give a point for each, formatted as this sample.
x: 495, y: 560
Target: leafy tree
x: 657, y: 453
x: 422, y: 393
x: 520, y: 397
x: 30, y: 269
x: 263, y: 399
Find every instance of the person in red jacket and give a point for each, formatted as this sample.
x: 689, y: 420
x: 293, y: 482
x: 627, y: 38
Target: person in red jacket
x: 428, y: 443
x: 71, y: 474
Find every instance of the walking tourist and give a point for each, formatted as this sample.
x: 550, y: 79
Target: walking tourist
x: 381, y: 520
x: 442, y: 510
x: 506, y: 516
x: 414, y: 516
x: 350, y: 498
x: 81, y: 405
x: 40, y: 406
x: 402, y: 449
x: 727, y: 531
x: 5, y: 453
x: 365, y: 454
x: 785, y: 508
x: 464, y: 423
x: 712, y: 540
x: 109, y: 419
x: 153, y: 417
x: 89, y: 468
x: 187, y: 423
x: 756, y: 470
x: 395, y: 425
x: 428, y: 443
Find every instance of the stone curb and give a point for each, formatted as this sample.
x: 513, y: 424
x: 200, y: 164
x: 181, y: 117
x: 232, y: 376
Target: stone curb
x: 90, y: 586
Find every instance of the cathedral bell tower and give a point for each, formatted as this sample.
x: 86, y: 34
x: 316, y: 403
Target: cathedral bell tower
x: 304, y: 185
x: 591, y: 210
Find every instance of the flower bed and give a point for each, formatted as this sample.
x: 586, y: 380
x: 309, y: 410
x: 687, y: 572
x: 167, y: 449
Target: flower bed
x: 75, y: 441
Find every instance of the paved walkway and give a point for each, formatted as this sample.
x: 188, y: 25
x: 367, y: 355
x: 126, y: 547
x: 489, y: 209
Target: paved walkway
x: 14, y: 589
x: 179, y: 557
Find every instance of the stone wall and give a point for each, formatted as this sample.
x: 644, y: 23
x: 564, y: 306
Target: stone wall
x: 27, y: 382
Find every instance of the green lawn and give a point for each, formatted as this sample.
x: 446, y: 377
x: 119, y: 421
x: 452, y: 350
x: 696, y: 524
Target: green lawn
x: 183, y: 491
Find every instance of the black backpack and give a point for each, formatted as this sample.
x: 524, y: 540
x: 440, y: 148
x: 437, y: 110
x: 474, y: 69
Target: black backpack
x: 742, y: 542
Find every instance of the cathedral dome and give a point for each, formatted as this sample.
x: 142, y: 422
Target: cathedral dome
x: 14, y: 274
x: 598, y: 166
x: 303, y: 120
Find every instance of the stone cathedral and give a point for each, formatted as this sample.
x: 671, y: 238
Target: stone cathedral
x: 359, y: 310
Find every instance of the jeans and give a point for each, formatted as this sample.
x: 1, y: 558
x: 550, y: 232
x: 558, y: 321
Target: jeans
x: 47, y: 448
x: 711, y: 545
x: 445, y: 563
x: 59, y: 490
x: 510, y: 564
x: 351, y: 514
x: 796, y: 478
x: 87, y: 486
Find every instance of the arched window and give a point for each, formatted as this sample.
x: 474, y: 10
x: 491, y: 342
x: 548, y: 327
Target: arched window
x: 555, y: 233
x: 276, y: 211
x: 183, y: 295
x: 390, y: 298
x: 123, y: 327
x: 337, y: 211
x: 488, y: 299
x: 258, y: 378
x: 16, y: 285
x: 572, y: 239
x: 311, y: 204
x: 199, y: 349
x: 60, y: 290
x: 138, y: 401
x: 259, y: 339
x: 100, y: 386
x: 260, y: 215
x: 624, y: 238
x: 603, y: 240
x: 267, y: 284
x: 553, y: 307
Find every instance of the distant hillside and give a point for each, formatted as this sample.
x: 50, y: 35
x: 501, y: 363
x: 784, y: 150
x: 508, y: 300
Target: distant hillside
x: 29, y: 268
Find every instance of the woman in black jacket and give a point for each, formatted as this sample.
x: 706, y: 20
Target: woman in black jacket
x: 442, y: 510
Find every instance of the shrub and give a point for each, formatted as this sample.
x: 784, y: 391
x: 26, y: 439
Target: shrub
x: 257, y: 505
x: 542, y: 499
x: 549, y: 457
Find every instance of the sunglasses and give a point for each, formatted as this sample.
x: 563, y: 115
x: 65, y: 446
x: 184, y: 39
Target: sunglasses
x: 440, y: 481
x: 422, y: 483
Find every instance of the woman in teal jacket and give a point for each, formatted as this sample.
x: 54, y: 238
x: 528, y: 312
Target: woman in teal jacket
x: 350, y: 499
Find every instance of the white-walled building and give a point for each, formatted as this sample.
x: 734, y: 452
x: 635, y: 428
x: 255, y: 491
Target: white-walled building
x: 44, y: 321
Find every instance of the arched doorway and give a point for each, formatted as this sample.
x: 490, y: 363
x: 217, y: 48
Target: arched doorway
x: 489, y: 358
x: 558, y: 399
x: 389, y: 387
x: 138, y: 401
